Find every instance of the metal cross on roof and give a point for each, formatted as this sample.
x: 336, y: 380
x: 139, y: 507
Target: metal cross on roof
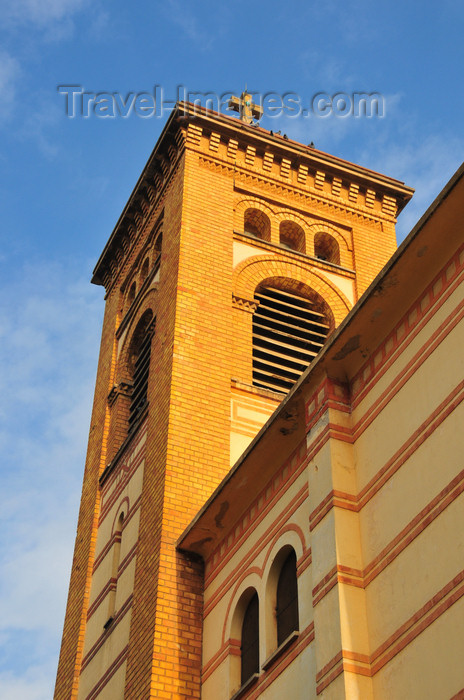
x: 246, y: 108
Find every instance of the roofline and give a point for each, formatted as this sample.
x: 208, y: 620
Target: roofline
x: 197, y: 111
x: 167, y: 126
x: 186, y: 111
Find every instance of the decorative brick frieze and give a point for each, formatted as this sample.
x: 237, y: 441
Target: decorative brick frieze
x: 370, y: 198
x: 245, y: 304
x: 319, y: 180
x: 389, y: 205
x: 214, y: 141
x: 232, y: 149
x: 302, y: 174
x: 353, y: 192
x: 194, y: 133
x: 336, y: 186
x: 285, y: 166
x: 250, y: 156
x: 268, y: 160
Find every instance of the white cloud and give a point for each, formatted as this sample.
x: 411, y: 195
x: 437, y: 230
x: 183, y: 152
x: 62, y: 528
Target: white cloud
x: 181, y: 13
x: 40, y: 126
x: 398, y: 145
x: 184, y: 18
x: 426, y: 164
x: 32, y: 684
x: 39, y: 12
x: 9, y: 73
x: 49, y: 332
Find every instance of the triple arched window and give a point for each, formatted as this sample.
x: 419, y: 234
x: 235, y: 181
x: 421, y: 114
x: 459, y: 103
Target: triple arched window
x: 292, y: 236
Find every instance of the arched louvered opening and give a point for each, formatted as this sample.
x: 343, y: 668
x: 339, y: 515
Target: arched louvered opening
x: 289, y: 329
x: 249, y: 648
x: 326, y: 248
x: 140, y: 360
x: 292, y: 236
x: 257, y: 224
x: 287, y: 599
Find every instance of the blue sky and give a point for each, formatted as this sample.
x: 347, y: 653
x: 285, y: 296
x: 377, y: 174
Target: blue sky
x: 65, y: 181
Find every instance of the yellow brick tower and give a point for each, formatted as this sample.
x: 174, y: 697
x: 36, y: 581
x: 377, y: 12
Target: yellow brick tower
x: 236, y: 255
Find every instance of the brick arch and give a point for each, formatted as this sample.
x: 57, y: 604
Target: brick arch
x: 283, y: 216
x: 124, y: 373
x: 341, y: 238
x: 253, y: 271
x: 250, y: 203
x: 286, y: 215
x: 124, y: 506
x: 292, y: 235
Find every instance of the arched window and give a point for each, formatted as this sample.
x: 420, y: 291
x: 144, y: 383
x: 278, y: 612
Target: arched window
x: 158, y: 244
x: 249, y: 648
x: 289, y: 329
x: 287, y: 599
x: 131, y: 295
x: 140, y: 351
x: 116, y: 556
x: 292, y: 236
x: 144, y: 271
x: 257, y: 224
x: 326, y: 248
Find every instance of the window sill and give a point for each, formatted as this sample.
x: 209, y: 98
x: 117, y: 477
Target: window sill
x: 259, y: 391
x: 107, y: 624
x: 243, y: 689
x: 280, y: 650
x: 134, y: 428
x: 294, y: 253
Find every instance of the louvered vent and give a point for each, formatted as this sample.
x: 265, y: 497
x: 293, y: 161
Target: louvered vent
x: 288, y: 333
x: 140, y: 381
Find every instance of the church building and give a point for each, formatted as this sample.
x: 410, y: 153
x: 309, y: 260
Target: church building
x: 272, y: 501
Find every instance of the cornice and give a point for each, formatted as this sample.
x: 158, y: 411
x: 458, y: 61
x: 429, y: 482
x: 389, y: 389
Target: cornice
x: 303, y: 175
x: 323, y: 203
x: 143, y: 201
x: 287, y: 149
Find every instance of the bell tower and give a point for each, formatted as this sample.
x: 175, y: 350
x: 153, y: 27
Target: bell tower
x: 237, y: 254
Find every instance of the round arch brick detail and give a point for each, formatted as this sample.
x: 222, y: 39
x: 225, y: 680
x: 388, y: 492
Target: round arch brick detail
x: 342, y: 239
x: 250, y: 203
x: 253, y: 271
x: 284, y: 215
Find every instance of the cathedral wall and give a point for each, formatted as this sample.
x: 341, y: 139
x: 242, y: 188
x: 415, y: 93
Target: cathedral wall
x: 410, y: 483
x: 110, y: 601
x: 387, y: 508
x: 277, y: 519
x: 382, y: 488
